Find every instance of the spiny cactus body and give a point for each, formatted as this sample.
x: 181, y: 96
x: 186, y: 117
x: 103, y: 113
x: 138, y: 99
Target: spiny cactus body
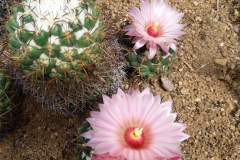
x: 5, y: 10
x: 60, y: 52
x: 8, y: 107
x: 146, y: 67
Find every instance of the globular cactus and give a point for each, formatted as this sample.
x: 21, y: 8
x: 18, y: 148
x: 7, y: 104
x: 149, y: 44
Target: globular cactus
x: 142, y: 65
x: 60, y: 53
x: 9, y: 104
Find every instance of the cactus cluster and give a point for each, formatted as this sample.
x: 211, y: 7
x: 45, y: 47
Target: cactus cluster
x: 60, y: 53
x: 8, y: 104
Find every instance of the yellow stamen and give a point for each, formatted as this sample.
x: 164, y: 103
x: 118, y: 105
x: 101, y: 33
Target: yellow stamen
x: 155, y: 26
x: 136, y: 134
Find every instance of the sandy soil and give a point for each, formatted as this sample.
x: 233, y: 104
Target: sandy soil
x: 206, y: 94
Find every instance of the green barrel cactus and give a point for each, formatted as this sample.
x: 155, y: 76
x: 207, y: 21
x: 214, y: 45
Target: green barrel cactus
x: 146, y: 67
x: 61, y: 54
x: 9, y: 108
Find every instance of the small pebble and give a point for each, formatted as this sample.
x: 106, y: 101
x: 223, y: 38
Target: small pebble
x: 235, y: 101
x: 184, y: 91
x: 199, y: 19
x: 236, y: 13
x: 208, y: 79
x: 195, y: 3
x: 167, y: 84
x: 229, y: 106
x: 180, y: 121
x: 203, y: 65
x: 232, y: 127
x: 215, y: 19
x: 232, y: 66
x: 187, y: 75
x: 221, y: 44
x: 180, y: 83
x: 236, y: 28
x: 228, y: 79
x: 222, y: 62
x: 197, y: 99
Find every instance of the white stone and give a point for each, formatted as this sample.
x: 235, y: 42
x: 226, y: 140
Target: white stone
x: 197, y: 99
x: 221, y: 44
x: 195, y: 3
x: 167, y: 84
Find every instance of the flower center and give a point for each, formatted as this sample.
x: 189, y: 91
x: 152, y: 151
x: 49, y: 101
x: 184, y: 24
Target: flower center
x: 153, y: 30
x: 134, y: 137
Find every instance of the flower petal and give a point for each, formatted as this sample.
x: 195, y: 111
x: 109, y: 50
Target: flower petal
x: 139, y: 44
x: 152, y: 50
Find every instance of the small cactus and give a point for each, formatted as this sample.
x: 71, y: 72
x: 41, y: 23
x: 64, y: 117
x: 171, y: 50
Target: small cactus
x: 61, y: 54
x: 146, y: 67
x: 9, y: 108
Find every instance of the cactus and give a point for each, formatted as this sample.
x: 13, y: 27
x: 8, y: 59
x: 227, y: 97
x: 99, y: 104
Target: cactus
x: 9, y: 108
x: 61, y: 54
x: 83, y: 152
x: 146, y: 67
x: 5, y: 10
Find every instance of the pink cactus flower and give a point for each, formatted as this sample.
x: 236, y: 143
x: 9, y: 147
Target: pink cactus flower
x: 135, y: 126
x: 155, y: 24
x: 108, y: 157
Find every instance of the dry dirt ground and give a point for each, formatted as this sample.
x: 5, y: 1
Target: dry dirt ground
x: 206, y: 94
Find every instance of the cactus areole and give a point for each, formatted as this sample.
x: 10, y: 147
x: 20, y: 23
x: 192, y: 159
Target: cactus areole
x: 55, y: 38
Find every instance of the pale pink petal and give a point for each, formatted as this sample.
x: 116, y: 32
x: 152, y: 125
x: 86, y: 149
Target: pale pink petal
x: 129, y: 27
x: 133, y: 33
x: 94, y: 114
x: 120, y: 92
x: 167, y: 104
x: 104, y: 147
x: 135, y: 39
x: 106, y: 99
x: 164, y: 47
x: 172, y: 158
x: 181, y: 136
x: 174, y: 47
x: 139, y: 44
x: 88, y: 135
x: 145, y: 91
x: 130, y: 91
x: 103, y: 107
x: 152, y: 50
